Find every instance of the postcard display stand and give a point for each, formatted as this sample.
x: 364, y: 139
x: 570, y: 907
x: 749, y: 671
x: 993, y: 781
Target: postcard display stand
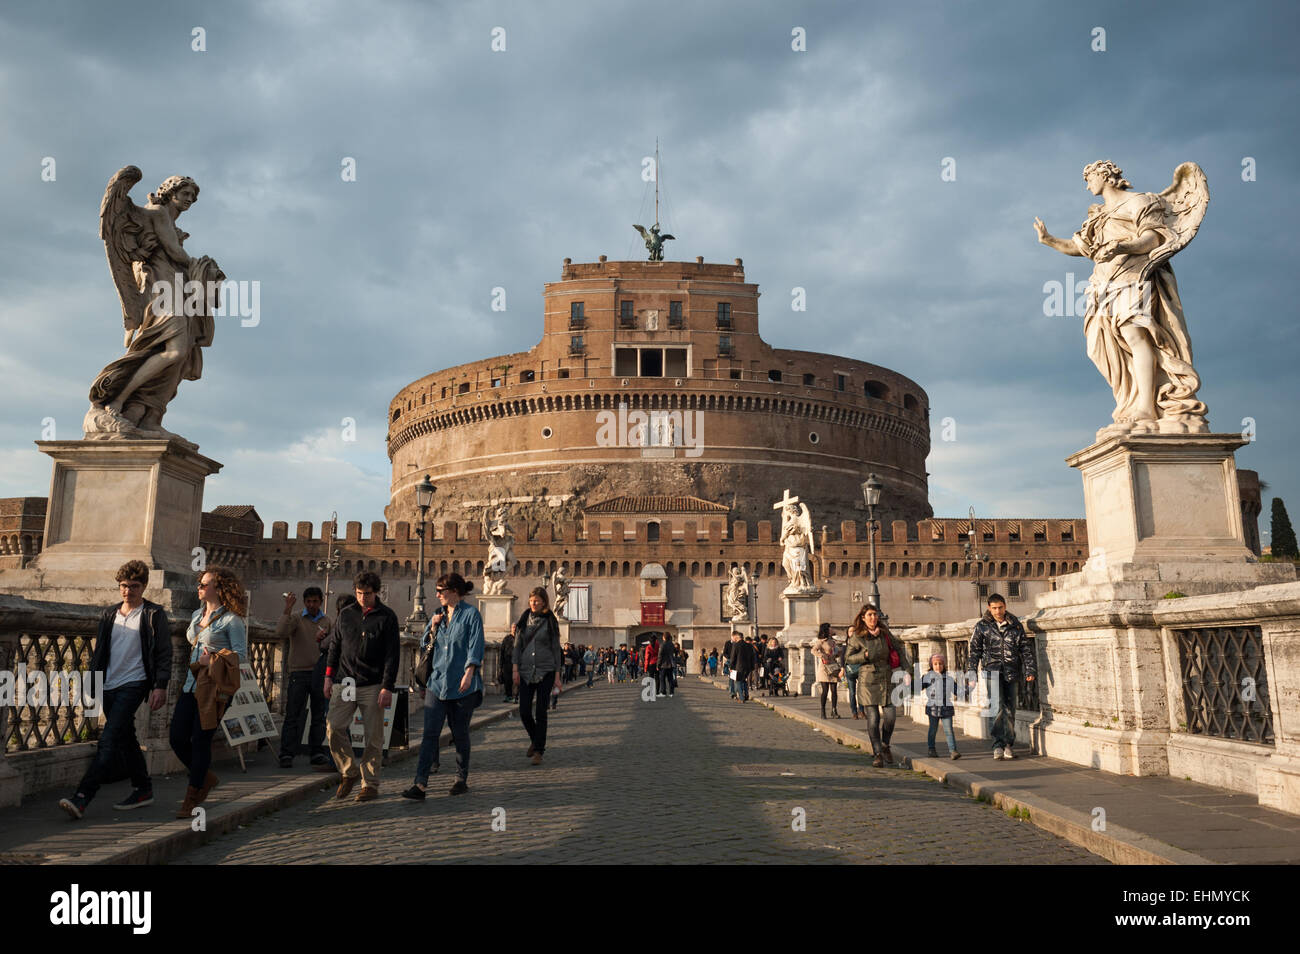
x: 248, y: 717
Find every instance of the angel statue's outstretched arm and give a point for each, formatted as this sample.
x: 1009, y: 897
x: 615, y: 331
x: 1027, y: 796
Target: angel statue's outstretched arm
x: 1064, y: 246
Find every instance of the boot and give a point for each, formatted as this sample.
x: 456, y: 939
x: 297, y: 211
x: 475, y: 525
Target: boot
x: 823, y: 708
x: 889, y: 756
x: 835, y: 710
x: 191, y: 800
x: 210, y: 782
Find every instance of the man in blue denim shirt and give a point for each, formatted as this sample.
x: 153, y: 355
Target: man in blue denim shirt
x: 455, y: 687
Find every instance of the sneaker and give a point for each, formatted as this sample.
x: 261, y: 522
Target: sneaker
x: 537, y: 758
x: 460, y: 788
x: 286, y: 761
x: 75, y: 806
x: 1007, y: 753
x: 659, y: 695
x: 997, y: 753
x: 955, y: 755
x: 414, y: 793
x: 139, y: 798
x: 878, y: 761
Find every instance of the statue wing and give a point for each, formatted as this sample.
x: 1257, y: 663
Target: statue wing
x: 665, y: 238
x: 120, y: 227
x: 641, y: 229
x: 1185, y: 203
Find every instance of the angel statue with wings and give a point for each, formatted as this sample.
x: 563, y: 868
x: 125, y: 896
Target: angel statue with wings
x: 1134, y: 325
x: 501, y: 546
x: 654, y: 242
x: 561, y: 584
x: 736, y: 595
x: 797, y: 543
x: 168, y: 318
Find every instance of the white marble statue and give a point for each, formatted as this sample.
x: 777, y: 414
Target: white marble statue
x: 501, y: 547
x: 736, y: 595
x: 561, y: 584
x: 167, y: 316
x: 1134, y: 325
x: 797, y: 544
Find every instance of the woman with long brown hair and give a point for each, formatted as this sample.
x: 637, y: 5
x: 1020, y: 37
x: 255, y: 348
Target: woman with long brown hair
x: 216, y: 625
x: 538, y: 662
x: 873, y: 648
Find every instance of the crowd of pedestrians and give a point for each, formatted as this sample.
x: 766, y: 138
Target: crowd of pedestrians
x: 350, y: 665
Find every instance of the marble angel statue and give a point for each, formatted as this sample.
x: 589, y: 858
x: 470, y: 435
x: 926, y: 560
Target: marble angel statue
x: 1134, y: 326
x: 167, y: 301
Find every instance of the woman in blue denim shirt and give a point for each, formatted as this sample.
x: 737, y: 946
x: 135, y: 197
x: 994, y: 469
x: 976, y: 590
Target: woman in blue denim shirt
x: 216, y: 625
x: 455, y: 687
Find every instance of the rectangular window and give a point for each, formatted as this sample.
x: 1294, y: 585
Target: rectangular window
x: 841, y: 382
x: 463, y: 388
x: 809, y: 380
x: 564, y: 372
x: 444, y: 392
x: 652, y: 363
x: 626, y: 317
x: 735, y: 375
x: 1040, y: 536
x: 724, y: 344
x: 1067, y: 535
x: 724, y: 314
x: 674, y: 314
x: 526, y: 376
x: 675, y: 363
x: 578, y: 608
x: 1013, y: 590
x: 984, y: 591
x: 1013, y: 536
x: 988, y: 537
x: 575, y: 311
x: 625, y: 362
x: 575, y: 344
x: 496, y: 382
x: 774, y: 376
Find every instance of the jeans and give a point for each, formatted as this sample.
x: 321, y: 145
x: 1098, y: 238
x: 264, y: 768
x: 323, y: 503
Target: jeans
x: 880, y: 725
x: 118, y: 740
x: 1004, y: 726
x: 456, y: 713
x: 535, y: 696
x: 947, y: 732
x: 302, y: 686
x: 190, y: 741
x: 591, y: 672
x: 742, y: 689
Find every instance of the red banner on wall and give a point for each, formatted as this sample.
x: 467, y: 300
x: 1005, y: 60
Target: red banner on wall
x: 652, y: 614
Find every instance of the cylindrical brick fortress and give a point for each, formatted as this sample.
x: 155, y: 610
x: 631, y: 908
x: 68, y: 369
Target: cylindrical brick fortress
x: 651, y: 379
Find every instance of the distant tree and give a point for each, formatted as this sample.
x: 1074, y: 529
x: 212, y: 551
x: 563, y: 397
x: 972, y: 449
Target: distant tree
x: 1283, y: 537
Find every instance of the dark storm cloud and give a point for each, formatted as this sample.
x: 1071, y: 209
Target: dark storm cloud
x: 479, y: 169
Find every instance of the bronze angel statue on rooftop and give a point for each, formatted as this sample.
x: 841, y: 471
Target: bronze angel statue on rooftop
x: 654, y: 242
x: 168, y: 299
x: 1134, y: 325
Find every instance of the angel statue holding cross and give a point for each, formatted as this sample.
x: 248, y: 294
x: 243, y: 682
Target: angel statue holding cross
x: 797, y: 544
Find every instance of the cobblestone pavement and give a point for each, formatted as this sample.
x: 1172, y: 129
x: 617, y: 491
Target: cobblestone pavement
x: 692, y: 779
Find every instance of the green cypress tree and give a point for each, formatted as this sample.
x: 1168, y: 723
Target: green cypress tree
x: 1283, y: 537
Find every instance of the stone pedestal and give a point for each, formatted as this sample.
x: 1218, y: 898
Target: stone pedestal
x: 803, y: 617
x: 114, y: 501
x: 1152, y: 498
x: 1163, y: 519
x: 498, y: 614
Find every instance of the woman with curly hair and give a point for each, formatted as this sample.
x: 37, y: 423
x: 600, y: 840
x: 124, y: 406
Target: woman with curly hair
x: 216, y: 625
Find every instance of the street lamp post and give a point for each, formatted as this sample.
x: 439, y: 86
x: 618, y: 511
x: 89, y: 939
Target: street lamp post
x: 753, y: 599
x: 871, y: 488
x: 979, y: 558
x: 424, y: 490
x: 331, y: 561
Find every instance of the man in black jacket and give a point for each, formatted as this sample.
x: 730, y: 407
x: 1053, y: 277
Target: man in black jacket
x: 363, y: 654
x: 999, y: 641
x: 133, y: 652
x: 742, y: 661
x: 727, y: 649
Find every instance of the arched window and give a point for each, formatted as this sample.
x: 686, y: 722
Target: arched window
x: 652, y: 531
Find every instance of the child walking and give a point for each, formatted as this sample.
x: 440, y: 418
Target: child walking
x: 940, y: 692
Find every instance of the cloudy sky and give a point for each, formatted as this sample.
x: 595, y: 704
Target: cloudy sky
x: 478, y: 168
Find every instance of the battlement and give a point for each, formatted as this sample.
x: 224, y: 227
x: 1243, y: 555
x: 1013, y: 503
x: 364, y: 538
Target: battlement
x: 937, y: 530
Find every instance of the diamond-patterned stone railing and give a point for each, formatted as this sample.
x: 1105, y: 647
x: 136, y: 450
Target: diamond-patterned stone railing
x: 1225, y: 683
